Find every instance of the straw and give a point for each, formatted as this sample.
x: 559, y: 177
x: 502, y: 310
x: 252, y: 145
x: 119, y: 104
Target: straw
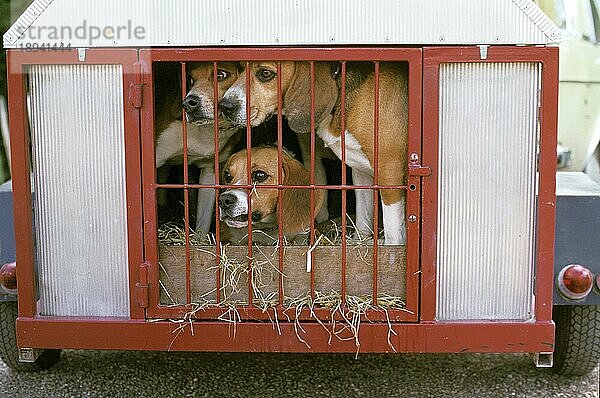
x: 344, y: 318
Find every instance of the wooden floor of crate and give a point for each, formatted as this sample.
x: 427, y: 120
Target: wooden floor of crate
x: 327, y: 266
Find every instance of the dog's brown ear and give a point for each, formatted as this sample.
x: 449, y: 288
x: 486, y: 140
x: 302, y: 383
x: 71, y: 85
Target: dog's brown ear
x: 167, y: 93
x: 296, y: 101
x: 296, y: 202
x: 174, y: 90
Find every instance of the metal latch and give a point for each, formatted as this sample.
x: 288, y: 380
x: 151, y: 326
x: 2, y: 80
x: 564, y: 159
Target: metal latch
x: 416, y: 169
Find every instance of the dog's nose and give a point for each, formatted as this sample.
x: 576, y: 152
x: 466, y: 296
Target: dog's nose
x: 191, y: 103
x: 228, y: 106
x: 226, y: 200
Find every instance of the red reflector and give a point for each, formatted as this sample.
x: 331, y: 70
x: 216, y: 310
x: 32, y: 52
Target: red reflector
x: 8, y: 276
x: 575, y: 281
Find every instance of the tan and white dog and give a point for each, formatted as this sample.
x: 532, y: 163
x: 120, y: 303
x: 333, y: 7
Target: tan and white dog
x: 264, y: 205
x: 199, y: 105
x: 359, y: 126
x: 296, y: 106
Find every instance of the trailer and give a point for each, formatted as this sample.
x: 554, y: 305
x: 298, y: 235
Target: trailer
x: 116, y: 249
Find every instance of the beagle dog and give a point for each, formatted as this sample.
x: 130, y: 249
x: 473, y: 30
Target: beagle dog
x: 359, y: 125
x: 233, y: 202
x: 199, y: 106
x: 296, y: 105
x: 392, y: 139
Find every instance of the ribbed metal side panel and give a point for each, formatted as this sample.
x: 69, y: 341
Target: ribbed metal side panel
x: 77, y: 133
x: 303, y: 22
x: 487, y: 190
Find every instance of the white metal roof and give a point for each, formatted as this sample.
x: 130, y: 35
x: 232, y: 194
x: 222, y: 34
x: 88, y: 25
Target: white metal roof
x: 279, y: 22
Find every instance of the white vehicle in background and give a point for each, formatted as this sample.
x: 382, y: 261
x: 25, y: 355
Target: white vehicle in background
x: 579, y: 90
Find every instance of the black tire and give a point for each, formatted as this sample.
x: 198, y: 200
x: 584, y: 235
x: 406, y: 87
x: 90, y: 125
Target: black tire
x: 577, y: 348
x: 9, y: 354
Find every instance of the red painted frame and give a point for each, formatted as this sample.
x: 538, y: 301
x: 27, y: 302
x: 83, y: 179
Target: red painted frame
x: 414, y: 58
x: 17, y: 60
x: 425, y: 336
x: 545, y: 215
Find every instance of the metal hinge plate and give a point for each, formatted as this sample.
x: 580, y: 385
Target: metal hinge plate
x: 136, y: 88
x: 142, y: 290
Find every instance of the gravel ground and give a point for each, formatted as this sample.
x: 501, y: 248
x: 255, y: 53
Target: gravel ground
x: 159, y: 374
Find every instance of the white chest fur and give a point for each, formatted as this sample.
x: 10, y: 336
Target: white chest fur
x: 201, y: 147
x: 355, y: 157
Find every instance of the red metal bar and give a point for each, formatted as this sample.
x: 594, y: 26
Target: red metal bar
x: 311, y: 238
x: 283, y: 54
x: 249, y: 180
x: 344, y: 182
x: 274, y: 186
x: 413, y: 196
x: 217, y: 181
x: 375, y: 180
x: 149, y: 185
x: 281, y: 249
x: 253, y: 313
x: 133, y: 185
x: 21, y: 185
x: 186, y: 193
x: 119, y: 334
x: 546, y: 216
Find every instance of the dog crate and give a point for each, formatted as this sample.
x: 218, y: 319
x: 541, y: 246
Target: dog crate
x: 99, y: 268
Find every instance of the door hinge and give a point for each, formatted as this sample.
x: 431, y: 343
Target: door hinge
x: 136, y: 88
x: 143, y: 293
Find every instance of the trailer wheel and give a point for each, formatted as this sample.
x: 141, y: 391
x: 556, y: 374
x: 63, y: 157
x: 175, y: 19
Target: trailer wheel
x: 9, y: 353
x: 577, y: 349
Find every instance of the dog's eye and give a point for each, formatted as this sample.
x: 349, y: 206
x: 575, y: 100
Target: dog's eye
x: 222, y: 75
x: 259, y: 176
x: 265, y: 75
x: 190, y: 81
x: 227, y: 177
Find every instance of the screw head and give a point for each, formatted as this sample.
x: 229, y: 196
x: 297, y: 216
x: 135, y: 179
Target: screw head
x: 412, y: 218
x: 414, y: 157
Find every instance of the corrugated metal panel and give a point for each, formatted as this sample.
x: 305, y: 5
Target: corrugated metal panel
x: 487, y: 190
x: 276, y: 22
x: 78, y: 148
